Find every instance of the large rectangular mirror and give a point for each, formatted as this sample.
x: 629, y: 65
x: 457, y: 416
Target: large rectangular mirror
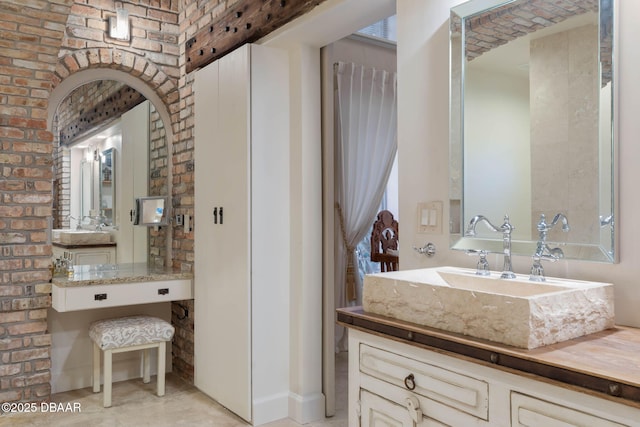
x: 532, y: 123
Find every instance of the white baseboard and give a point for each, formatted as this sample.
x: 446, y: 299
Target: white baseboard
x: 305, y: 409
x: 270, y: 408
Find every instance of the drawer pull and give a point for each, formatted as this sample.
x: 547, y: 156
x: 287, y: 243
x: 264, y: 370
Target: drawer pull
x: 100, y: 297
x: 163, y: 291
x: 410, y: 382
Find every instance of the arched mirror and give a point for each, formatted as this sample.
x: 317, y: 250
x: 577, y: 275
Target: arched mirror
x: 110, y: 148
x: 532, y: 122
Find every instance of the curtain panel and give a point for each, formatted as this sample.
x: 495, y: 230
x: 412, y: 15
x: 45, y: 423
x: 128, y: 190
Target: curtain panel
x: 366, y: 144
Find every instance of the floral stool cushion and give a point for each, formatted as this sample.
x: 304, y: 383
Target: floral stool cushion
x: 130, y: 331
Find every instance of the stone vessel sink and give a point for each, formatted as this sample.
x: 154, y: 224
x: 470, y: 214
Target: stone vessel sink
x: 81, y: 237
x: 516, y: 312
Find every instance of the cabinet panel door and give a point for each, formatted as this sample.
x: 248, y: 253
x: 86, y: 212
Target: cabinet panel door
x: 222, y: 258
x: 376, y: 411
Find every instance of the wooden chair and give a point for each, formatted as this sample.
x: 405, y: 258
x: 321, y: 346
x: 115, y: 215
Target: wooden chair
x: 384, y: 241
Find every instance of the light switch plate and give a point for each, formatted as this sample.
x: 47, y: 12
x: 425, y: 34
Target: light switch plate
x: 430, y: 217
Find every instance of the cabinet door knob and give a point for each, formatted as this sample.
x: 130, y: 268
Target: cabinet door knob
x: 215, y: 215
x: 410, y: 382
x: 220, y: 214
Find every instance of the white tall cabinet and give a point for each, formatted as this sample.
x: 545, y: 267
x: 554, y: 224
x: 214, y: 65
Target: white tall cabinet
x: 241, y: 270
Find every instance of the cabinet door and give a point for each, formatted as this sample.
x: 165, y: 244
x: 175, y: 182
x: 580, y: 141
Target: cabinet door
x: 222, y: 331
x: 376, y: 411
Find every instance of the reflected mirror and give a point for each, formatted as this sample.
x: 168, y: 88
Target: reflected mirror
x: 107, y: 185
x: 111, y: 148
x: 150, y: 211
x: 532, y: 124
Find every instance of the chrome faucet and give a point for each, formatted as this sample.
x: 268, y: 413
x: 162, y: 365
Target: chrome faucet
x: 543, y: 251
x: 97, y: 221
x: 506, y: 228
x: 482, y: 267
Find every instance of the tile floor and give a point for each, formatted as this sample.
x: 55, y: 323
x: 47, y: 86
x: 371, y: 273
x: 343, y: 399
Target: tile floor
x: 135, y: 404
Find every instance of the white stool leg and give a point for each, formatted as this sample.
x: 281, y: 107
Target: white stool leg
x: 162, y: 355
x: 146, y: 365
x: 96, y: 368
x: 107, y: 378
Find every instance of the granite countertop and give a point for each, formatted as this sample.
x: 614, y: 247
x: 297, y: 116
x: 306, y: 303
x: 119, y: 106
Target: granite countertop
x: 108, y: 274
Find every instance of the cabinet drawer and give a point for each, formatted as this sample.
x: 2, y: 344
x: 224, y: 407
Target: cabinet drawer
x: 527, y: 411
x: 73, y: 298
x: 464, y: 393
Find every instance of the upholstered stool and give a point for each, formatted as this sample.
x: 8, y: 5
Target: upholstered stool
x: 129, y: 334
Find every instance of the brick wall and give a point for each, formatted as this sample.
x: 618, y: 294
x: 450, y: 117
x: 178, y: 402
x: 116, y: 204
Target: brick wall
x: 194, y: 15
x: 31, y: 35
x: 44, y: 42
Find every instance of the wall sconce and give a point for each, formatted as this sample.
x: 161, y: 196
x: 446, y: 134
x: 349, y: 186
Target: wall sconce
x: 119, y: 25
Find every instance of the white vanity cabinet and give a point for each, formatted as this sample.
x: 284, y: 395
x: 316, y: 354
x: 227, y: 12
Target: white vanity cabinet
x: 85, y: 255
x: 398, y: 384
x: 241, y: 231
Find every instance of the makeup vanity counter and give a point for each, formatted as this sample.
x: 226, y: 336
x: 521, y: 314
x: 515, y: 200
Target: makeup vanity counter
x: 114, y: 285
x: 417, y: 375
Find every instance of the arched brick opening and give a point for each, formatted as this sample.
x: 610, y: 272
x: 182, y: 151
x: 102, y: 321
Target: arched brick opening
x: 87, y: 65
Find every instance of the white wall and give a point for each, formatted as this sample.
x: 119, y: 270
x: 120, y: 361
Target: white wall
x: 423, y: 69
x: 303, y: 38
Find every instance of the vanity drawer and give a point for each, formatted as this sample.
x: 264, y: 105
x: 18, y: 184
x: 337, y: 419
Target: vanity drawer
x: 73, y: 298
x: 529, y: 411
x: 464, y: 393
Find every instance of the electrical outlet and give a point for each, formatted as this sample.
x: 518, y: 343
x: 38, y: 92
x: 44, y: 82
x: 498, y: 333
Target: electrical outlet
x: 179, y: 219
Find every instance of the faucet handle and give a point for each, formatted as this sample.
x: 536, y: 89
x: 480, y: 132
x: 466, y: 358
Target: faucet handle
x: 482, y: 267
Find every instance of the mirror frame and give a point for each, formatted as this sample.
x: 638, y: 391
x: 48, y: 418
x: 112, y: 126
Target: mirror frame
x: 151, y: 211
x: 603, y: 251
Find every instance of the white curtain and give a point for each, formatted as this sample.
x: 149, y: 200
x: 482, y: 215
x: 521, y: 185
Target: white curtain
x: 366, y: 143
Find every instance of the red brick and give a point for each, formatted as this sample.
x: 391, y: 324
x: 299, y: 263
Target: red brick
x: 10, y: 264
x: 37, y: 314
x: 41, y: 340
x: 30, y: 354
x: 27, y: 328
x: 41, y: 365
x: 29, y: 224
x: 31, y: 250
x: 9, y: 370
x: 10, y: 343
x: 11, y: 211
